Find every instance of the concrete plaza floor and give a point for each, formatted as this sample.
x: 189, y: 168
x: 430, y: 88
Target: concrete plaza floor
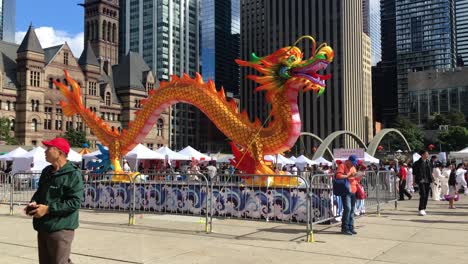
x: 397, y: 236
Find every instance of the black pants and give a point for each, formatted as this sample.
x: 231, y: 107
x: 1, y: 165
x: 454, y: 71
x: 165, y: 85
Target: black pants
x: 54, y: 248
x: 403, y: 190
x: 424, y: 189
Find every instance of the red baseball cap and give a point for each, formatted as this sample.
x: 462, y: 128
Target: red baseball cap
x: 60, y: 143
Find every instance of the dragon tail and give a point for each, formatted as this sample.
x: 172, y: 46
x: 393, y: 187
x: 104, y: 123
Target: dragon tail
x: 73, y: 96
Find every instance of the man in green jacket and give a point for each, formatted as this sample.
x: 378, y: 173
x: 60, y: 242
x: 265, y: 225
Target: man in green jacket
x: 55, y: 204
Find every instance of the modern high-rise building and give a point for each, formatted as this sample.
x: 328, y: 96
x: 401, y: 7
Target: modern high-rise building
x: 220, y: 31
x: 425, y: 39
x: 384, y: 79
x: 166, y: 34
x: 7, y: 20
x: 375, y: 32
x: 220, y: 46
x: 367, y: 83
x: 461, y: 10
x: 366, y: 16
x: 269, y: 25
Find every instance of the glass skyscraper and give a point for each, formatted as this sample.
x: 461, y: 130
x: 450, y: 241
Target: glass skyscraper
x: 425, y: 39
x: 220, y: 31
x: 374, y: 27
x: 462, y: 29
x: 7, y: 20
x: 166, y: 34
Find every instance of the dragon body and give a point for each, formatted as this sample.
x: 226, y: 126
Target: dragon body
x: 285, y: 74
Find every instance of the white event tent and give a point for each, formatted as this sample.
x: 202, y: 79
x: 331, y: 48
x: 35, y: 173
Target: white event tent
x: 172, y: 155
x: 280, y: 159
x: 141, y: 152
x: 193, y: 153
x: 367, y: 159
x: 301, y: 162
x: 17, y: 152
x: 322, y: 161
x: 462, y: 154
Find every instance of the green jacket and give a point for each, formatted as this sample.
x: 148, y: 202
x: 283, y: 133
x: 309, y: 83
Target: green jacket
x: 62, y: 191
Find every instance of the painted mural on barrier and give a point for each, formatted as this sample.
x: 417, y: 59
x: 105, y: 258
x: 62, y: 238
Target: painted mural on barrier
x: 281, y: 204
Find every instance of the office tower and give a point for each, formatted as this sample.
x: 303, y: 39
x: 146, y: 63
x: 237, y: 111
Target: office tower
x: 366, y: 16
x: 269, y: 25
x: 7, y: 20
x: 220, y: 31
x: 461, y: 10
x: 384, y: 79
x: 425, y: 40
x: 375, y: 32
x: 166, y: 34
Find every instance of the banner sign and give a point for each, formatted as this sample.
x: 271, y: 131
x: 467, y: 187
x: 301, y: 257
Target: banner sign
x: 342, y: 153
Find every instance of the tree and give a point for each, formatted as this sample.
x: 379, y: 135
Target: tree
x: 412, y: 133
x: 450, y: 119
x: 5, y: 128
x: 455, y: 138
x: 76, y: 138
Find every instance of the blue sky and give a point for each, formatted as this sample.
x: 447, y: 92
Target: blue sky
x: 55, y: 21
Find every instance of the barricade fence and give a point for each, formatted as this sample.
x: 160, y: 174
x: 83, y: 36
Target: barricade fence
x: 305, y: 198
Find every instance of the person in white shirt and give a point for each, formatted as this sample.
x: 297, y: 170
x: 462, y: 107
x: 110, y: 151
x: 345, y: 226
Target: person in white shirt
x: 409, y: 179
x: 461, y: 177
x: 435, y: 185
x: 126, y: 167
x: 444, y: 186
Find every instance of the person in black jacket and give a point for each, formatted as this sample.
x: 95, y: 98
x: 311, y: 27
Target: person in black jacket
x: 452, y: 185
x: 422, y: 172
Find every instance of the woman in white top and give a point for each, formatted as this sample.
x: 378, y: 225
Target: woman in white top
x: 444, y: 191
x: 409, y: 178
x: 461, y: 177
x: 126, y: 167
x: 435, y: 185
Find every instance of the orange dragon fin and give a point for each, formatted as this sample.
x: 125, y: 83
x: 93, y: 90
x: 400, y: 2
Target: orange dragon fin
x: 75, y: 103
x: 242, y: 160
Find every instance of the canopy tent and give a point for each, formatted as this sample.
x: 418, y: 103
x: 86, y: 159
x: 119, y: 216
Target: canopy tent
x: 322, y: 161
x: 172, y: 155
x: 35, y: 157
x: 367, y: 159
x: 292, y: 158
x: 17, y: 152
x: 74, y: 156
x: 462, y: 154
x: 84, y: 151
x: 225, y: 159
x: 416, y: 157
x: 193, y: 153
x: 141, y: 152
x: 301, y: 162
x: 280, y: 159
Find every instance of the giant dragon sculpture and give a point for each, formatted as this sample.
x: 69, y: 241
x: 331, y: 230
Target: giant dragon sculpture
x: 285, y: 74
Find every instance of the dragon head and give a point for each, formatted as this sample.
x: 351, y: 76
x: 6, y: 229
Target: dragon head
x: 287, y: 69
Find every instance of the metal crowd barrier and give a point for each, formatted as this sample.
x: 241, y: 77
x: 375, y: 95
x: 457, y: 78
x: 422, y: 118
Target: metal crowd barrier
x: 178, y: 194
x: 303, y: 199
x: 381, y: 187
x: 273, y: 198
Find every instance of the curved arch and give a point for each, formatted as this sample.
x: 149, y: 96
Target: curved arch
x: 328, y: 140
x: 374, y: 144
x: 316, y: 138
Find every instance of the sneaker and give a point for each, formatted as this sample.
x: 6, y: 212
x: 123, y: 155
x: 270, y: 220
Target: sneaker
x: 357, y: 213
x: 422, y: 212
x: 452, y: 207
x: 353, y: 232
x: 410, y: 197
x: 346, y: 232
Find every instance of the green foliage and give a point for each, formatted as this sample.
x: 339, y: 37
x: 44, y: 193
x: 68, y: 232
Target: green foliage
x: 454, y: 139
x: 451, y: 119
x: 5, y: 132
x: 76, y: 138
x: 412, y: 133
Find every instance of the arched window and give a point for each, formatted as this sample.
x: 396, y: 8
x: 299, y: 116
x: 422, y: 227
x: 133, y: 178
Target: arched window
x: 159, y: 127
x: 108, y: 99
x: 114, y: 29
x: 87, y: 29
x: 109, y: 30
x: 96, y: 30
x: 34, y: 125
x: 12, y: 125
x: 104, y: 25
x: 51, y: 83
x: 37, y: 106
x: 33, y: 105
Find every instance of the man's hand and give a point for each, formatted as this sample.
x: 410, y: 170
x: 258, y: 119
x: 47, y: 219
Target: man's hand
x: 40, y: 211
x: 31, y: 206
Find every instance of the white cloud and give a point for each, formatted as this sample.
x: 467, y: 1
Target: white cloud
x: 48, y: 36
